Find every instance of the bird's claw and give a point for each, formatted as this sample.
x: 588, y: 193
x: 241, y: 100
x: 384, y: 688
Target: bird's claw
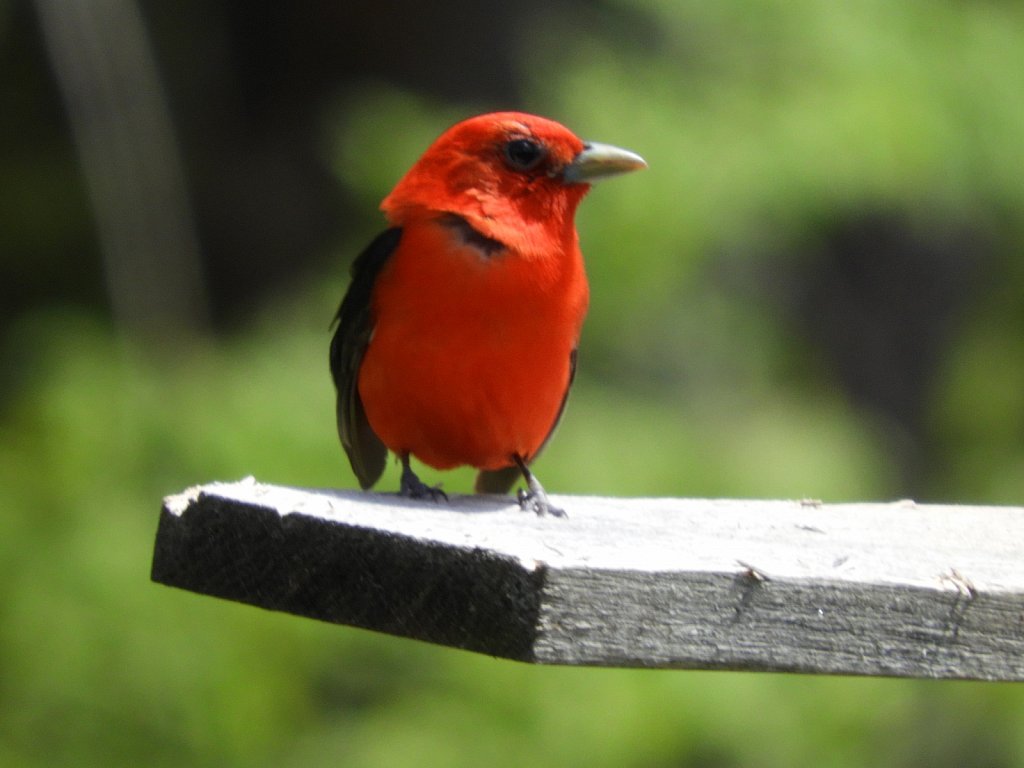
x: 411, y: 487
x: 420, y: 490
x: 532, y: 501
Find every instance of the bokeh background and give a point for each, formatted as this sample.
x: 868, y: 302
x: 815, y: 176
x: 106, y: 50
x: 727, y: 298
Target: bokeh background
x: 817, y: 290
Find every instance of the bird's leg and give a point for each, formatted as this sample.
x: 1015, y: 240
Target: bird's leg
x: 412, y: 487
x: 535, y: 498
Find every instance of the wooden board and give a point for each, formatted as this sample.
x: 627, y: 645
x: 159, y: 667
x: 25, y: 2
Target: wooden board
x: 897, y: 589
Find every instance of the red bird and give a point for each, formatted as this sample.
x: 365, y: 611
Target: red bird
x: 456, y: 341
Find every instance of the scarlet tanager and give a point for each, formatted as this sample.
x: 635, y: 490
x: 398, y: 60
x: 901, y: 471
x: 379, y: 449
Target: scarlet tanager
x: 456, y: 341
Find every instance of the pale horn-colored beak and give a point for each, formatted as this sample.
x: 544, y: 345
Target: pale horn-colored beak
x: 601, y: 161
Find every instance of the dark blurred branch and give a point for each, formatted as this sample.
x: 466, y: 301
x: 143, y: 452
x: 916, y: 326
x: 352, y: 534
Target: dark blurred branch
x: 101, y: 56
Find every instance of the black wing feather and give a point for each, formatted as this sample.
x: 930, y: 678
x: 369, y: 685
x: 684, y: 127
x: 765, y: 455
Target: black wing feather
x: 366, y: 453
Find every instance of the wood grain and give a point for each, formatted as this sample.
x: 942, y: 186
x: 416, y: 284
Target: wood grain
x: 895, y: 589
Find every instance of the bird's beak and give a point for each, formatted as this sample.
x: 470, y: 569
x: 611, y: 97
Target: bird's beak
x: 599, y: 161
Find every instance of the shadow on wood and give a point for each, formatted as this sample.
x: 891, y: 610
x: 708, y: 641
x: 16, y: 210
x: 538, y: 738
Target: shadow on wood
x: 871, y: 589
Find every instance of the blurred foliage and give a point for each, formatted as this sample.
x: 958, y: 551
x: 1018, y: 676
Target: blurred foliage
x: 761, y: 121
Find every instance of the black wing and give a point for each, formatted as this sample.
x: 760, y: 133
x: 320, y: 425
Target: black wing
x: 502, y: 480
x: 366, y: 453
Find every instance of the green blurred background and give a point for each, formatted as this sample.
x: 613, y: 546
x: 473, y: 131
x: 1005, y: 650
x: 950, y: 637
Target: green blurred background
x: 815, y: 291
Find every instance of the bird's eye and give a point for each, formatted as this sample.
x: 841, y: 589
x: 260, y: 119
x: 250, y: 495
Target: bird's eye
x: 524, y: 154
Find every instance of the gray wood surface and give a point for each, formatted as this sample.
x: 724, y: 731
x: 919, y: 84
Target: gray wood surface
x: 896, y: 589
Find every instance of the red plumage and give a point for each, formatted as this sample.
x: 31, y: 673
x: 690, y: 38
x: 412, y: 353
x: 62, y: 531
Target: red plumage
x: 456, y: 342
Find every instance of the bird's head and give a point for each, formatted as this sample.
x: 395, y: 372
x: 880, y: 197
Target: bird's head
x: 515, y: 178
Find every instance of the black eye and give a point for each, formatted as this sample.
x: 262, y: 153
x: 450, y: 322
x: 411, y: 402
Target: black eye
x: 524, y: 154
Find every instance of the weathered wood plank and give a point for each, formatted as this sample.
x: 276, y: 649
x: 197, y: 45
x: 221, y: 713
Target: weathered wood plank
x: 896, y: 589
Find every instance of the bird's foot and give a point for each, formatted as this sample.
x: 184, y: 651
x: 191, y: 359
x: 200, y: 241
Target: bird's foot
x: 537, y: 501
x: 411, y: 487
x: 535, y: 498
